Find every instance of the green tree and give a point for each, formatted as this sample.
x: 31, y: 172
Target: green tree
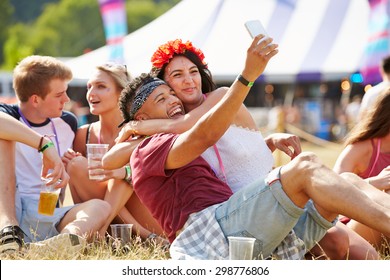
x: 69, y: 27
x: 141, y: 12
x: 15, y: 48
x: 26, y: 11
x: 6, y: 11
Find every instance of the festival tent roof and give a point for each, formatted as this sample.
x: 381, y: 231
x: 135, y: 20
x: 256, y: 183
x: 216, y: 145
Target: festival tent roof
x: 318, y: 40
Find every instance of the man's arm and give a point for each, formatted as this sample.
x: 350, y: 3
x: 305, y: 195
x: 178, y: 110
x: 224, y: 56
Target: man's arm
x: 215, y: 122
x: 119, y: 154
x: 13, y: 130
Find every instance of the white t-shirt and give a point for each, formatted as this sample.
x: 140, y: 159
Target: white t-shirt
x: 28, y: 161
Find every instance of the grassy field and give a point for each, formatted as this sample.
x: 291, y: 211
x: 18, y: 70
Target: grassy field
x: 328, y: 153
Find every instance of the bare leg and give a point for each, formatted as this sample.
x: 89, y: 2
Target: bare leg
x: 7, y: 184
x: 359, y: 248
x: 81, y: 187
x: 115, y: 192
x: 142, y: 214
x: 334, y: 245
x: 341, y: 243
x: 375, y: 194
x: 78, y: 220
x: 371, y: 235
x: 305, y: 177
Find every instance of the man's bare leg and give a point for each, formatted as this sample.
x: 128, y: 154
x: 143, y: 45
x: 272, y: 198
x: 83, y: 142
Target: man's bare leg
x: 306, y: 178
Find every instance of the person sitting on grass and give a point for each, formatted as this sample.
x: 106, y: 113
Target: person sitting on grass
x: 14, y: 131
x: 40, y: 84
x: 367, y: 154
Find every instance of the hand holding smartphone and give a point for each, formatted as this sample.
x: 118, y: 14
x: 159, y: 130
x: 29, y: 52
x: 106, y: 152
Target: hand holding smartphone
x: 255, y: 28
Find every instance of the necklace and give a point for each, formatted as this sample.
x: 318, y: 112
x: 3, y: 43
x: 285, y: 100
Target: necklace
x: 52, y: 126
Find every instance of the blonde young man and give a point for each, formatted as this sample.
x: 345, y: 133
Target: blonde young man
x: 40, y: 84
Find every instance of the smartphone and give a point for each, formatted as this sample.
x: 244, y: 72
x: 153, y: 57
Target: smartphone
x: 255, y: 27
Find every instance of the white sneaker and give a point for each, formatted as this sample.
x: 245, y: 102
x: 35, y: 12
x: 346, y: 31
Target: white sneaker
x: 66, y: 243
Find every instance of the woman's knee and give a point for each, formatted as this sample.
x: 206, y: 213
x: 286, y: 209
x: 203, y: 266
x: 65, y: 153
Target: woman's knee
x: 335, y: 243
x: 100, y: 207
x: 76, y: 165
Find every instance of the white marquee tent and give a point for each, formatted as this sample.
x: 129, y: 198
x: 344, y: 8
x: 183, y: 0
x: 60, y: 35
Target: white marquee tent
x: 318, y: 39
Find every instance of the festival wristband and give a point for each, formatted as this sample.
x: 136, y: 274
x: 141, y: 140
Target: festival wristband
x: 128, y: 174
x: 47, y: 145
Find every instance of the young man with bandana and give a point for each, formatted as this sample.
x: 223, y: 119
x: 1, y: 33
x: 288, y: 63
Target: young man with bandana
x: 198, y: 211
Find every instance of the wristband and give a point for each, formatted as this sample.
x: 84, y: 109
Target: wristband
x: 244, y: 81
x: 41, y: 141
x: 128, y: 174
x: 47, y: 145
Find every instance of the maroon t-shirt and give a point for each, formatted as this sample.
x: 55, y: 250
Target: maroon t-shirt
x: 172, y: 195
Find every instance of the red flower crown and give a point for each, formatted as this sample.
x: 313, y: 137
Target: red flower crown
x: 165, y: 52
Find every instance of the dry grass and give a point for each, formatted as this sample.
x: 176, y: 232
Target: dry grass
x: 98, y: 250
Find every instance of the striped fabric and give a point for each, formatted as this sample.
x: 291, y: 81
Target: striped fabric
x: 318, y: 39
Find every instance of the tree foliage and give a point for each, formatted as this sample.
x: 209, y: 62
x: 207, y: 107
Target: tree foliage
x: 68, y: 28
x: 15, y: 48
x: 26, y: 11
x: 5, y: 21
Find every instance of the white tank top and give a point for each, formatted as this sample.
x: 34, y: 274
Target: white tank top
x: 245, y: 157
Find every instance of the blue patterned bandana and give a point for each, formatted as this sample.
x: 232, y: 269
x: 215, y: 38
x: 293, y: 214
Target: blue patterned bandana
x: 143, y: 93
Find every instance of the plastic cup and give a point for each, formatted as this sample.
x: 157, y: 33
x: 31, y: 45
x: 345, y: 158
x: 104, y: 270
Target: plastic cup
x: 48, y: 198
x: 95, y: 153
x: 241, y: 248
x: 121, y: 233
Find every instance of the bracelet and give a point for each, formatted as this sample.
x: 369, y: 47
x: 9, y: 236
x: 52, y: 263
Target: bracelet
x: 47, y: 145
x: 41, y: 141
x: 128, y: 174
x: 244, y: 81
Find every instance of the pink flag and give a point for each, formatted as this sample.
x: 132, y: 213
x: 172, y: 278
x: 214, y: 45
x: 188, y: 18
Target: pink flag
x: 115, y: 27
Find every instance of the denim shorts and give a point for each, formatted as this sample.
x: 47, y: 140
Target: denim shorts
x: 263, y: 210
x: 37, y: 227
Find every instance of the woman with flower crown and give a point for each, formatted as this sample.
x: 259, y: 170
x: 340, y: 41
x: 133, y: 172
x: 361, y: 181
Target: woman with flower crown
x: 234, y: 158
x: 103, y: 91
